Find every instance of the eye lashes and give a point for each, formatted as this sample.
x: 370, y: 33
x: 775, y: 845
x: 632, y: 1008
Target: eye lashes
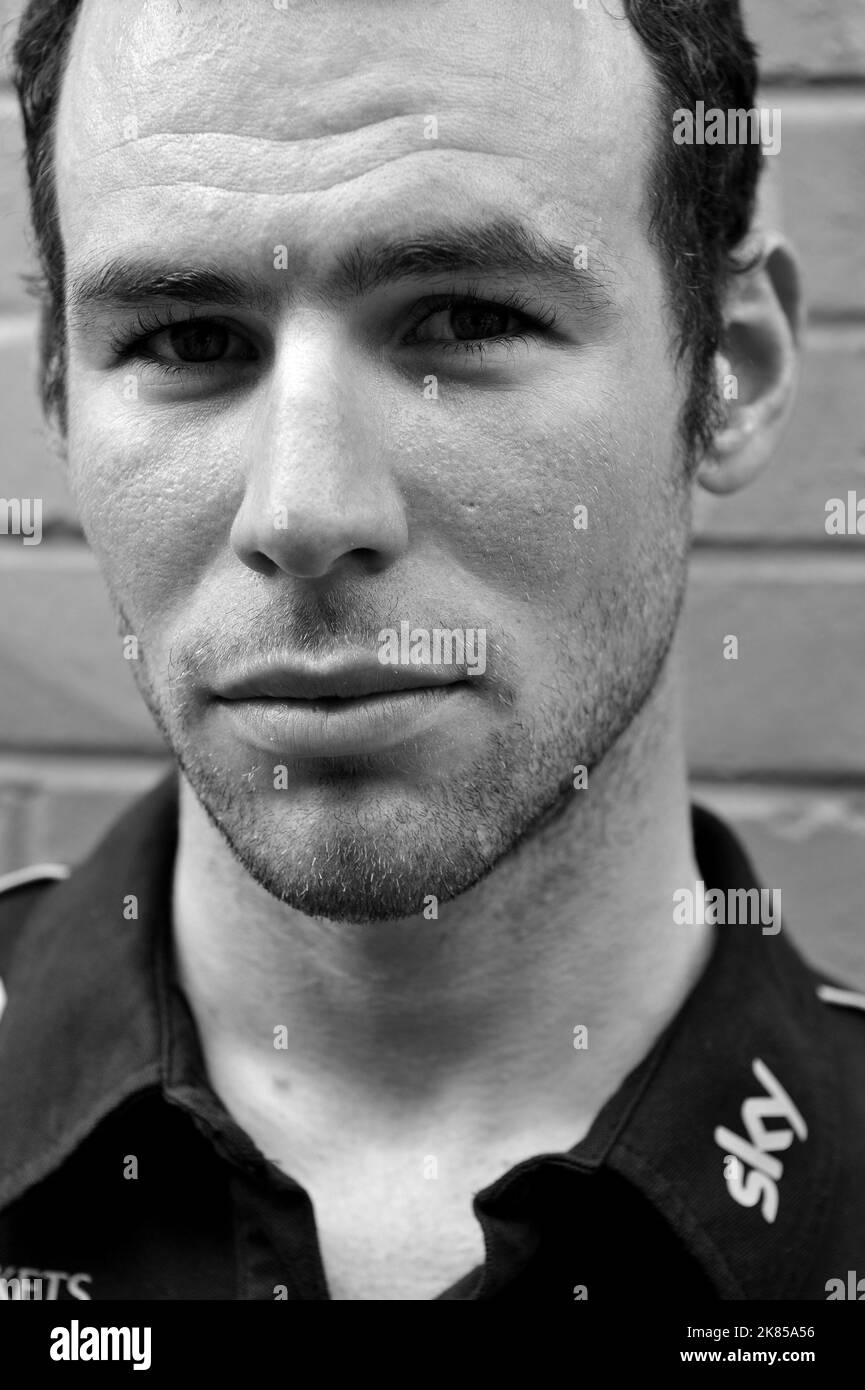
x: 541, y: 315
x: 149, y: 322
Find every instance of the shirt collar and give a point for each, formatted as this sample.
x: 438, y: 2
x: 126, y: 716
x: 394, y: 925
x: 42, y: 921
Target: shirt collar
x: 750, y: 1037
x: 730, y: 1125
x: 736, y: 1140
x: 81, y: 1030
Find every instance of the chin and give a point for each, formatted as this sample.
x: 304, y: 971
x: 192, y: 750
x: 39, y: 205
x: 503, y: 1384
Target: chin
x: 355, y: 848
x: 349, y: 874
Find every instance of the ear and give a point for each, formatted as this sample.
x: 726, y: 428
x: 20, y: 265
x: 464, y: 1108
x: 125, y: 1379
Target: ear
x: 757, y: 368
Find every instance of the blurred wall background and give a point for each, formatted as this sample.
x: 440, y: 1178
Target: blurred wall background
x: 776, y: 738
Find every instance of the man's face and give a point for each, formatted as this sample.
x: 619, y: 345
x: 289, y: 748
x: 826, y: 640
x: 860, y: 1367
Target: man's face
x: 326, y: 455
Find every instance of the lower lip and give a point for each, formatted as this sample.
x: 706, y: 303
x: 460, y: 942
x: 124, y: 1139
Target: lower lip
x: 311, y: 728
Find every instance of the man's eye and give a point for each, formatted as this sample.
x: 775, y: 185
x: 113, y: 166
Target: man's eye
x: 463, y: 323
x: 467, y: 324
x: 197, y: 342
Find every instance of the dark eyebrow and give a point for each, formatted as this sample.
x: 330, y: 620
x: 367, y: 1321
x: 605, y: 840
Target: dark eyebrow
x: 127, y: 284
x: 505, y: 247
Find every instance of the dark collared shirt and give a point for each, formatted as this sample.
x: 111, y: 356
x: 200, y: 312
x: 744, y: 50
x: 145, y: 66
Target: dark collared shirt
x: 728, y: 1165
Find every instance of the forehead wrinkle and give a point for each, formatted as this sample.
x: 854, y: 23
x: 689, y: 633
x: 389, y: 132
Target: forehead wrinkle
x: 289, y: 84
x: 306, y: 166
x: 255, y: 136
x: 342, y: 92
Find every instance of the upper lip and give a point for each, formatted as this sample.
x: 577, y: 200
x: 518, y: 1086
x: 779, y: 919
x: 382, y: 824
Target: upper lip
x: 348, y: 680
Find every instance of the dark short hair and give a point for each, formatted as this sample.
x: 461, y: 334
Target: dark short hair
x: 700, y: 197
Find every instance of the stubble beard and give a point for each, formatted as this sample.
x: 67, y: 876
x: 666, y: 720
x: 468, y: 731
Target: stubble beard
x: 350, y: 849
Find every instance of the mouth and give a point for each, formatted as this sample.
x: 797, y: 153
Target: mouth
x: 350, y: 708
x: 328, y: 685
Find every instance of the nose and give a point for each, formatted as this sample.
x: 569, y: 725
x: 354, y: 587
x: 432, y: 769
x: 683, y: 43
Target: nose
x: 321, y: 494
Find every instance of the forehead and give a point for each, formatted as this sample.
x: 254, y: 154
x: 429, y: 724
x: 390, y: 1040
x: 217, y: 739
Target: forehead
x: 215, y: 124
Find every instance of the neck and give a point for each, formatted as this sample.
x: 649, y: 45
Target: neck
x: 575, y: 927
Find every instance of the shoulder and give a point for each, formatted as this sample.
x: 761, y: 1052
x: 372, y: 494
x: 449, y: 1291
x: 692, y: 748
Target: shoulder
x: 842, y: 1006
x: 20, y: 890
x: 30, y: 876
x: 844, y: 1001
x: 842, y: 1218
